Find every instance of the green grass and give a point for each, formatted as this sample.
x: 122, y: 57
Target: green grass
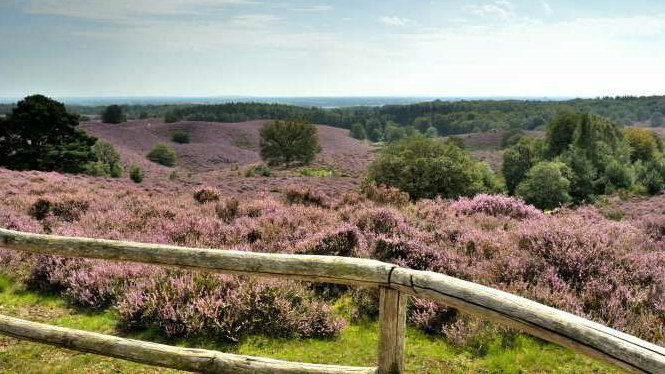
x: 319, y: 172
x: 357, y: 345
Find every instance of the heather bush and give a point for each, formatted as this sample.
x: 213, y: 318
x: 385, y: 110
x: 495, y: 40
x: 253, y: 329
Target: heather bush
x: 40, y: 209
x: 70, y: 210
x: 180, y: 137
x: 496, y: 205
x: 224, y: 307
x: 305, y: 196
x: 384, y: 194
x: 227, y: 211
x: 206, y: 195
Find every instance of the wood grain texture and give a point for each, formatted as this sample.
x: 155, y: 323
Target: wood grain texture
x: 392, y: 327
x: 197, y: 360
x: 589, y: 338
x: 332, y: 269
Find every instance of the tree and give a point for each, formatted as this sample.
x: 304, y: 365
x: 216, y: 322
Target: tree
x: 181, y: 137
x: 40, y: 134
x: 135, y: 174
x: 426, y: 168
x: 431, y: 132
x: 394, y: 132
x: 162, y: 155
x: 358, y: 131
x: 113, y: 114
x: 546, y: 185
x: 643, y: 143
x: 560, y: 132
x: 517, y: 160
x: 284, y: 142
x: 108, y: 161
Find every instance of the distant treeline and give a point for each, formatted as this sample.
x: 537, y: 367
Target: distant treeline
x: 446, y: 117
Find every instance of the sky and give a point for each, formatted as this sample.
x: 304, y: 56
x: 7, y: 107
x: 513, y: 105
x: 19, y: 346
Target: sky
x: 447, y: 48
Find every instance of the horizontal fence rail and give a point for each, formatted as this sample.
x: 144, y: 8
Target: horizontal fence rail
x: 622, y: 350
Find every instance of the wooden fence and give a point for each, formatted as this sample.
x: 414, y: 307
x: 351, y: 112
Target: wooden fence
x: 395, y: 283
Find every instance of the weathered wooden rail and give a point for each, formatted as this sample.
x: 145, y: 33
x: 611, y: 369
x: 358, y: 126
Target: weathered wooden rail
x: 396, y: 284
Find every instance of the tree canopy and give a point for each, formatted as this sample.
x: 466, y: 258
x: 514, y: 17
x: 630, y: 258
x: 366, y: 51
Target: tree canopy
x: 40, y: 134
x: 113, y: 114
x: 284, y: 142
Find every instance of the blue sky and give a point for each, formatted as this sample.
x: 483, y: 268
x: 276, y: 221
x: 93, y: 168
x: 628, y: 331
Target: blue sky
x: 332, y: 48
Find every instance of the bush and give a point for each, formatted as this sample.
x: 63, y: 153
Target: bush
x: 284, y: 142
x: 496, y: 205
x: 228, y: 211
x: 358, y: 131
x: 546, y: 185
x: 108, y: 161
x: 425, y: 168
x: 170, y: 118
x: 40, y: 209
x: 180, y: 136
x: 70, y: 210
x: 305, y: 196
x: 517, y: 160
x: 261, y: 170
x: 163, y: 155
x: 643, y: 143
x: 384, y: 194
x: 205, y: 195
x: 113, y: 114
x: 135, y: 174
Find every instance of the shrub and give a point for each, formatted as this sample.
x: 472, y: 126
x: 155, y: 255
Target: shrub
x: 70, y: 210
x: 384, y: 194
x: 305, y: 196
x: 108, y: 161
x: 284, y: 142
x: 163, y: 155
x: 113, y: 114
x: 206, y: 195
x: 170, y: 118
x: 358, y: 131
x: 136, y: 174
x: 40, y: 209
x: 643, y: 143
x: 180, y: 136
x: 546, y: 185
x: 517, y: 160
x: 229, y: 210
x: 496, y: 205
x: 425, y: 168
x: 261, y: 170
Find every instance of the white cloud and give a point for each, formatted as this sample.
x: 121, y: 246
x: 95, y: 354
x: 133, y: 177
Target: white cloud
x: 123, y: 10
x: 395, y: 21
x: 501, y: 9
x: 315, y: 8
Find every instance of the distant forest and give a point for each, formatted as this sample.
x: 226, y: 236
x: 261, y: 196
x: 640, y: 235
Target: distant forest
x: 447, y: 117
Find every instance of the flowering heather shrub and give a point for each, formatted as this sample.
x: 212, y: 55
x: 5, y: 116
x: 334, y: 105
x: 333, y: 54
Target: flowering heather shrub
x: 385, y: 195
x: 206, y: 195
x: 577, y: 261
x: 496, y: 205
x: 225, y: 307
x: 305, y: 196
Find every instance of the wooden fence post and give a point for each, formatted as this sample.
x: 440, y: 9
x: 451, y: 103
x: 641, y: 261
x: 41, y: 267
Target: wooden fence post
x: 392, y: 322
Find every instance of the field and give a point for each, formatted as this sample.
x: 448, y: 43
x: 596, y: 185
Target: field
x: 603, y: 262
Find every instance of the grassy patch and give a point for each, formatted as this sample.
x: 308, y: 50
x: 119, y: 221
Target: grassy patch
x: 357, y: 345
x: 318, y: 172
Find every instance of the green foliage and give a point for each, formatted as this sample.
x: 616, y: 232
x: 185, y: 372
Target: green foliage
x: 546, y: 185
x: 394, y: 132
x: 113, y: 114
x: 560, y: 132
x: 517, y: 161
x: 180, y: 136
x: 163, y: 155
x: 431, y: 132
x: 136, y: 174
x: 284, y: 142
x: 41, y: 135
x: 320, y: 172
x: 358, y: 131
x: 261, y: 170
x: 511, y: 137
x: 583, y: 175
x: 108, y: 161
x: 455, y: 140
x: 170, y: 118
x: 644, y: 144
x: 425, y: 168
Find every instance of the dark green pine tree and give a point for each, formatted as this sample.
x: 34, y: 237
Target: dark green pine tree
x: 40, y: 134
